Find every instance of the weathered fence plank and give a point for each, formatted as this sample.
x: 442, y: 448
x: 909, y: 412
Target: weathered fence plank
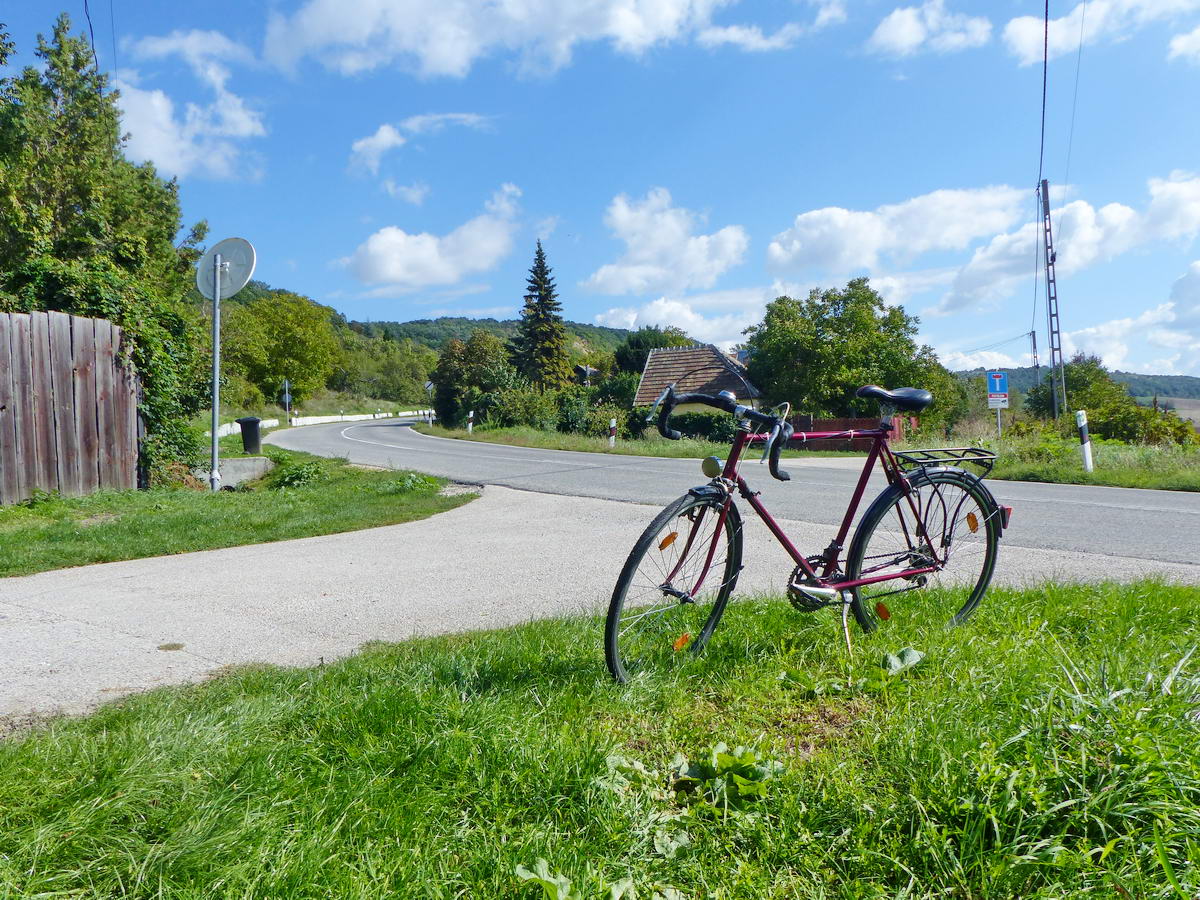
x: 83, y: 353
x: 108, y: 453
x: 68, y: 406
x: 42, y: 386
x: 66, y: 423
x: 22, y: 368
x: 9, y: 480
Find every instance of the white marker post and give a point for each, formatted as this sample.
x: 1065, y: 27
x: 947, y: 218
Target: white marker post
x: 612, y: 433
x: 1085, y: 440
x: 470, y: 421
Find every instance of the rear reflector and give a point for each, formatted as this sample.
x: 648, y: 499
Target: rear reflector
x: 1005, y: 515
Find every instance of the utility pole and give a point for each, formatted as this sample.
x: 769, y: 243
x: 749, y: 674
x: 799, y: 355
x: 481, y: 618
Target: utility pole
x: 1058, y: 379
x: 1037, y: 366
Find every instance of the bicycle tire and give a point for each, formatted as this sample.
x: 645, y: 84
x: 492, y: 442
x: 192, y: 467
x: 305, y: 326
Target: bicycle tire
x: 948, y: 499
x: 686, y: 624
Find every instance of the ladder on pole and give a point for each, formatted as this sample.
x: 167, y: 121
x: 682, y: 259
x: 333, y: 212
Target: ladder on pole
x: 1058, y: 383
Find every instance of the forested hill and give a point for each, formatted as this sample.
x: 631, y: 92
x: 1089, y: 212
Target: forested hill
x: 434, y: 333
x: 1023, y: 378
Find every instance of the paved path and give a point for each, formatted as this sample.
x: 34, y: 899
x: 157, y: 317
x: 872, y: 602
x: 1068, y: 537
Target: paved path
x: 1117, y: 522
x: 77, y: 637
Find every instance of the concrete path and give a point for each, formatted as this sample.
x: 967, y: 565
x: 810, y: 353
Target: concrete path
x: 77, y: 637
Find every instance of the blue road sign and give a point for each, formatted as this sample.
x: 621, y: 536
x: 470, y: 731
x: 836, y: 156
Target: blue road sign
x: 997, y: 382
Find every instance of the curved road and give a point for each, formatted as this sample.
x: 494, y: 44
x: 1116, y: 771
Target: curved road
x: 1120, y: 522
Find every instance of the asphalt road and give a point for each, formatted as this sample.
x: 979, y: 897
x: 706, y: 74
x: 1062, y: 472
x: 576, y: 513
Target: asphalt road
x: 1118, y: 522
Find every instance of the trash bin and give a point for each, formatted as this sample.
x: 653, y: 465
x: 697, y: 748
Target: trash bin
x: 251, y: 439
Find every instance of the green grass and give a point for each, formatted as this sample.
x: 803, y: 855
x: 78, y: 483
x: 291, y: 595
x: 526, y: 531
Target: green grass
x: 1046, y: 750
x: 327, y: 496
x: 1037, y: 457
x: 685, y: 448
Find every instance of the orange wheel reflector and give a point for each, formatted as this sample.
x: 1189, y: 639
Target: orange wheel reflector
x: 972, y: 522
x: 670, y: 539
x: 882, y: 611
x: 682, y: 641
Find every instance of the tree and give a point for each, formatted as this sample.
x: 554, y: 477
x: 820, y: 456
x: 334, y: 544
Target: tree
x: 817, y: 352
x: 277, y: 336
x: 1112, y: 411
x: 468, y: 376
x: 631, y: 355
x: 539, y: 350
x: 84, y: 231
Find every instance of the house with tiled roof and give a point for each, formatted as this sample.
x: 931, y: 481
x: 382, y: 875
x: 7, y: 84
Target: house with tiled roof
x: 700, y: 367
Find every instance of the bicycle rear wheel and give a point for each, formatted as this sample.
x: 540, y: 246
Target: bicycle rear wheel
x: 961, y: 541
x: 674, y: 586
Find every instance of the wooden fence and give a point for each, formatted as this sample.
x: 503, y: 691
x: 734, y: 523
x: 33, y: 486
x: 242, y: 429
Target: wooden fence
x: 808, y: 423
x: 68, y: 407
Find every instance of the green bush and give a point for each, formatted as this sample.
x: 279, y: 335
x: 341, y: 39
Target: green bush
x: 296, y: 474
x: 714, y: 426
x: 573, y: 406
x: 525, y: 406
x: 598, y: 418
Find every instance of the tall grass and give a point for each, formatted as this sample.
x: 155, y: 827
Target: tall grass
x: 1047, y: 749
x: 1050, y: 458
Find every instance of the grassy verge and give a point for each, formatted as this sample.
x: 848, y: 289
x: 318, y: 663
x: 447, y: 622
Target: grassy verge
x: 1045, y: 750
x: 1161, y: 468
x: 685, y: 448
x: 306, y: 495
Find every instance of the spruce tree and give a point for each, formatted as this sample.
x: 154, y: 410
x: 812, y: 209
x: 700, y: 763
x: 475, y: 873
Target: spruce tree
x: 540, y: 347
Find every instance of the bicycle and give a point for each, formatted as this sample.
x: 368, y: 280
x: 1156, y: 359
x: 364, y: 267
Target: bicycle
x: 935, y: 524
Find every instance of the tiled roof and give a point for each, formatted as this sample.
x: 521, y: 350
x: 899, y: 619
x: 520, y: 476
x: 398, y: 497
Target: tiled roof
x: 700, y: 367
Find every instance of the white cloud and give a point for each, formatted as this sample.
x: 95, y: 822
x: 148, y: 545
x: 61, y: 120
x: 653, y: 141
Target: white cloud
x: 1110, y: 340
x: 1110, y: 20
x: 202, y: 138
x: 1186, y: 45
x: 843, y: 240
x: 447, y: 37
x: 432, y: 123
x: 750, y: 37
x: 717, y: 317
x: 957, y: 361
x: 661, y: 252
x: 829, y: 12
x: 906, y: 30
x: 368, y: 151
x: 414, y: 193
x: 400, y: 261
x: 1083, y: 236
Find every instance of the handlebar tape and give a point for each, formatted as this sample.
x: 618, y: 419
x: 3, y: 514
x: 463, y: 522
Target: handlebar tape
x: 785, y: 434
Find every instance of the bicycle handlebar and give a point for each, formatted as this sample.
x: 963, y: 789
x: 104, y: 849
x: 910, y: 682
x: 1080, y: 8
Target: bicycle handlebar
x: 780, y: 431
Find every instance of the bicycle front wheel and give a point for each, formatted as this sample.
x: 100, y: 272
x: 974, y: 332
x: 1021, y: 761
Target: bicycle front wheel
x: 952, y: 526
x: 674, y: 586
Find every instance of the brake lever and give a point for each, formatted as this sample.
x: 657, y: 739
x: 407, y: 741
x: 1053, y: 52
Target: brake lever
x: 657, y: 403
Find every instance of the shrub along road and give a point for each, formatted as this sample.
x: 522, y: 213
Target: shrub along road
x: 1159, y: 526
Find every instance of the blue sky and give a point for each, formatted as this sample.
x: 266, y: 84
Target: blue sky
x: 684, y: 161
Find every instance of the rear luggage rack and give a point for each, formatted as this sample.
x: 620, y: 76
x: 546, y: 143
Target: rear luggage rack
x: 915, y: 459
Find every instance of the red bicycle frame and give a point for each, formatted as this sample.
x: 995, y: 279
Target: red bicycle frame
x: 880, y: 452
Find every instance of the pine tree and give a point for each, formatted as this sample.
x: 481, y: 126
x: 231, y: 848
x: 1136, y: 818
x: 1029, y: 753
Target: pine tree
x: 540, y: 348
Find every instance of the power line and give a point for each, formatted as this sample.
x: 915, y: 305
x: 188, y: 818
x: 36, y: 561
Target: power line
x: 112, y: 23
x: 87, y: 13
x: 1075, y: 94
x: 1024, y: 335
x: 1045, y: 71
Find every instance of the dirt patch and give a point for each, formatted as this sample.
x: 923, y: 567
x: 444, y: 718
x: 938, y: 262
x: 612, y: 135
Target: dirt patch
x: 453, y: 489
x: 98, y: 519
x: 18, y: 724
x: 365, y: 468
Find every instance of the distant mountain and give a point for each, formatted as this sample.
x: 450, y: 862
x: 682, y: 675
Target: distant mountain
x: 1141, y: 386
x: 434, y: 333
